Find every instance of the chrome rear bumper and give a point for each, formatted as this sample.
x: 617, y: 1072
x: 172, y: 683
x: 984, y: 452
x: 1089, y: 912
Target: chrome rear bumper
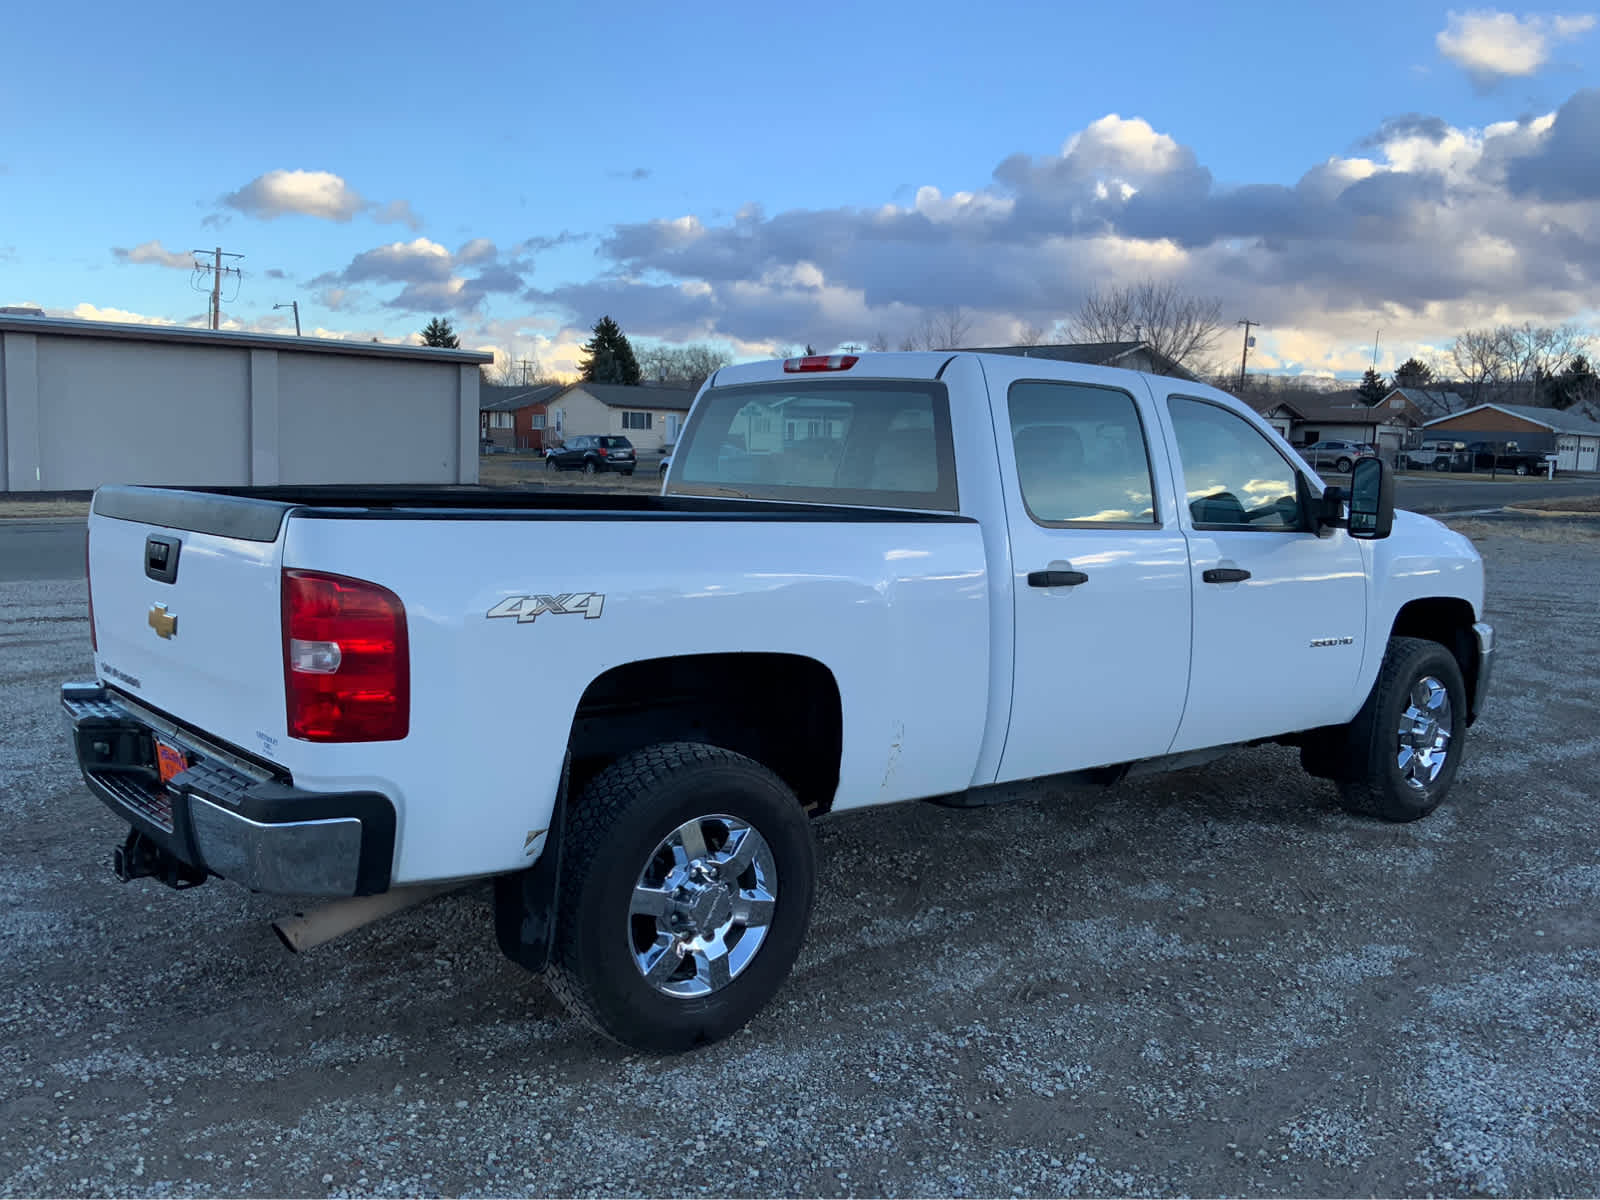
x: 223, y: 815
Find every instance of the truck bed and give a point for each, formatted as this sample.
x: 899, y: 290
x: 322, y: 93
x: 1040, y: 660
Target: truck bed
x: 256, y: 513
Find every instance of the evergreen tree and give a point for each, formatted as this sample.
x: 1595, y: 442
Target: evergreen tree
x: 437, y: 332
x: 1373, y: 388
x: 608, y: 355
x: 1413, y: 373
x: 1576, y: 385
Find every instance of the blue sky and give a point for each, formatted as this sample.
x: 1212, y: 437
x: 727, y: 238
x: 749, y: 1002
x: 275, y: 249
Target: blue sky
x: 765, y: 175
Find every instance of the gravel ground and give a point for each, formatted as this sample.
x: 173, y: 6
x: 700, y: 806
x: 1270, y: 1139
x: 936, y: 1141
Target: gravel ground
x: 1213, y: 982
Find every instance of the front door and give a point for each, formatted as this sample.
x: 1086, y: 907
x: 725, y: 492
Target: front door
x: 1100, y: 585
x: 1279, y: 611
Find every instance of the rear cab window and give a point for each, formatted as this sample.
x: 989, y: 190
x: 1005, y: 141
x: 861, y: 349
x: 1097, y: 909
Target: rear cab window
x: 882, y: 443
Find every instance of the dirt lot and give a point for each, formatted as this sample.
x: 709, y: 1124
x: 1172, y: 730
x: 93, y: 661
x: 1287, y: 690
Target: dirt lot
x: 1209, y: 983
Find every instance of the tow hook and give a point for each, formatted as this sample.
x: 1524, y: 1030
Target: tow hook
x: 141, y: 858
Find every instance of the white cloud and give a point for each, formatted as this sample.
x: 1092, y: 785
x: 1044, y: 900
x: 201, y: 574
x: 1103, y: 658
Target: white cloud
x: 309, y: 193
x: 119, y: 316
x: 1492, y: 45
x: 154, y: 252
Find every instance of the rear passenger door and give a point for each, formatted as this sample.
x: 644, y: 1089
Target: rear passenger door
x: 1100, y: 573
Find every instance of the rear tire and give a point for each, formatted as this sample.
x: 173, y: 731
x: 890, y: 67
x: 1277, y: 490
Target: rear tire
x: 589, y: 467
x: 1405, y: 744
x: 1522, y: 468
x: 1342, y: 466
x: 618, y: 847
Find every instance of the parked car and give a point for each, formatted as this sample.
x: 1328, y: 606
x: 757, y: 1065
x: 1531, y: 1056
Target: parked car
x: 593, y: 453
x: 1339, y: 455
x: 666, y: 462
x: 972, y: 579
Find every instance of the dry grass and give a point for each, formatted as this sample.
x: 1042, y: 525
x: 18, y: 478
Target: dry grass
x: 528, y: 471
x: 1564, y: 504
x: 33, y: 510
x: 1529, y: 529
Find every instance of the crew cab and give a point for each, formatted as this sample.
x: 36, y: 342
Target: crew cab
x: 866, y: 580
x: 1504, y: 456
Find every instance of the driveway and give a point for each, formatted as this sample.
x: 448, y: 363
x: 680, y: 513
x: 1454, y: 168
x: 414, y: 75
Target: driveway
x: 1212, y: 982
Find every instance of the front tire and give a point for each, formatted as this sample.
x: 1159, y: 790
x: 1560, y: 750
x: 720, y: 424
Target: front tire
x: 589, y: 467
x: 1342, y: 466
x: 689, y: 876
x: 1405, y: 744
x: 1522, y: 468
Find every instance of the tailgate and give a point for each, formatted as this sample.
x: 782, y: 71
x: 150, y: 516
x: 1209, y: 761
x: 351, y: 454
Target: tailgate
x: 186, y: 595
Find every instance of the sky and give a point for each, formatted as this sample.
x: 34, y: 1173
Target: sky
x: 764, y: 176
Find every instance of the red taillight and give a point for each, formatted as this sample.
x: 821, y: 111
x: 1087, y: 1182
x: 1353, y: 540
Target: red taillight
x: 346, y: 660
x: 94, y: 643
x: 602, y: 452
x: 822, y: 362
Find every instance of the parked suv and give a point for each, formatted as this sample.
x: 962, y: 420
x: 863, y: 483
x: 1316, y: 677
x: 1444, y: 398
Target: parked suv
x: 1439, y: 456
x: 1341, y: 456
x: 593, y: 453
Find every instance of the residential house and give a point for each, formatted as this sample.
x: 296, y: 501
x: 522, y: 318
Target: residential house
x: 514, y: 418
x: 1389, y: 425
x: 650, y: 415
x: 1131, y: 356
x: 1572, y: 437
x: 1429, y: 403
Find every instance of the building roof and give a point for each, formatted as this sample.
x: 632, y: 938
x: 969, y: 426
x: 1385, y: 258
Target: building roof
x: 1553, y: 419
x: 493, y: 397
x: 1097, y: 354
x: 72, y: 327
x: 1429, y: 401
x: 1335, y: 409
x: 676, y: 397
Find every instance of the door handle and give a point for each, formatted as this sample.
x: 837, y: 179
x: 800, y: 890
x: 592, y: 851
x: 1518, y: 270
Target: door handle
x: 1050, y: 579
x: 1225, y: 575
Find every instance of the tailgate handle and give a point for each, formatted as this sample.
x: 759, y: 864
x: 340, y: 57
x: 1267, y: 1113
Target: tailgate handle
x: 161, y: 558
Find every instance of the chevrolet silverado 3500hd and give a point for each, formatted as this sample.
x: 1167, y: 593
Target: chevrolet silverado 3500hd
x: 867, y: 579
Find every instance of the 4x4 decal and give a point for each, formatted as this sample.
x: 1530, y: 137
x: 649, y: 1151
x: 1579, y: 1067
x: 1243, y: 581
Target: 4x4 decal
x: 527, y: 608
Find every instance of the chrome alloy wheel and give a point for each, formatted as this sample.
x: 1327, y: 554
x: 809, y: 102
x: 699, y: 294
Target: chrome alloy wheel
x: 1424, y: 741
x: 702, y: 906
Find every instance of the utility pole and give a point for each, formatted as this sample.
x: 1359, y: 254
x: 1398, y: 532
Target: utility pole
x: 294, y: 304
x: 1245, y: 357
x: 1375, y: 338
x: 217, y: 272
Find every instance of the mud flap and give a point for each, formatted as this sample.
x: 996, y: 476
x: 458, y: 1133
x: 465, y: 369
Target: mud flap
x: 525, y: 902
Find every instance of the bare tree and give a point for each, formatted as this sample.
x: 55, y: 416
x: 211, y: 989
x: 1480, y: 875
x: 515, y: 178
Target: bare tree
x: 1180, y: 328
x: 1481, y: 361
x: 1029, y: 335
x: 681, y: 364
x: 879, y: 343
x: 947, y: 329
x: 1535, y: 354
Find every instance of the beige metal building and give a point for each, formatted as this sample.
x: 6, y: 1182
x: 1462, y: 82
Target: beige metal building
x: 87, y: 402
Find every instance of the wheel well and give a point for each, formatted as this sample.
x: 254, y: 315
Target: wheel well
x: 1448, y: 621
x: 782, y: 710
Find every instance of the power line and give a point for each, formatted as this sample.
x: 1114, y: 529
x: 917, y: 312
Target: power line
x: 217, y: 271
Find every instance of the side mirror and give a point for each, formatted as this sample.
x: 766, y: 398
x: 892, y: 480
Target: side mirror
x: 1371, y: 499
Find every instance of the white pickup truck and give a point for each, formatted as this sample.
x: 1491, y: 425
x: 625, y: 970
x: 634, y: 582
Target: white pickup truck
x: 868, y: 579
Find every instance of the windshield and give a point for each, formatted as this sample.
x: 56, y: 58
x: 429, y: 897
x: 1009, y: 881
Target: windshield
x: 868, y: 442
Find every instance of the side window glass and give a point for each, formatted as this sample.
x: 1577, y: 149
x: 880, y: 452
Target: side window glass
x: 1233, y: 478
x: 1081, y: 455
